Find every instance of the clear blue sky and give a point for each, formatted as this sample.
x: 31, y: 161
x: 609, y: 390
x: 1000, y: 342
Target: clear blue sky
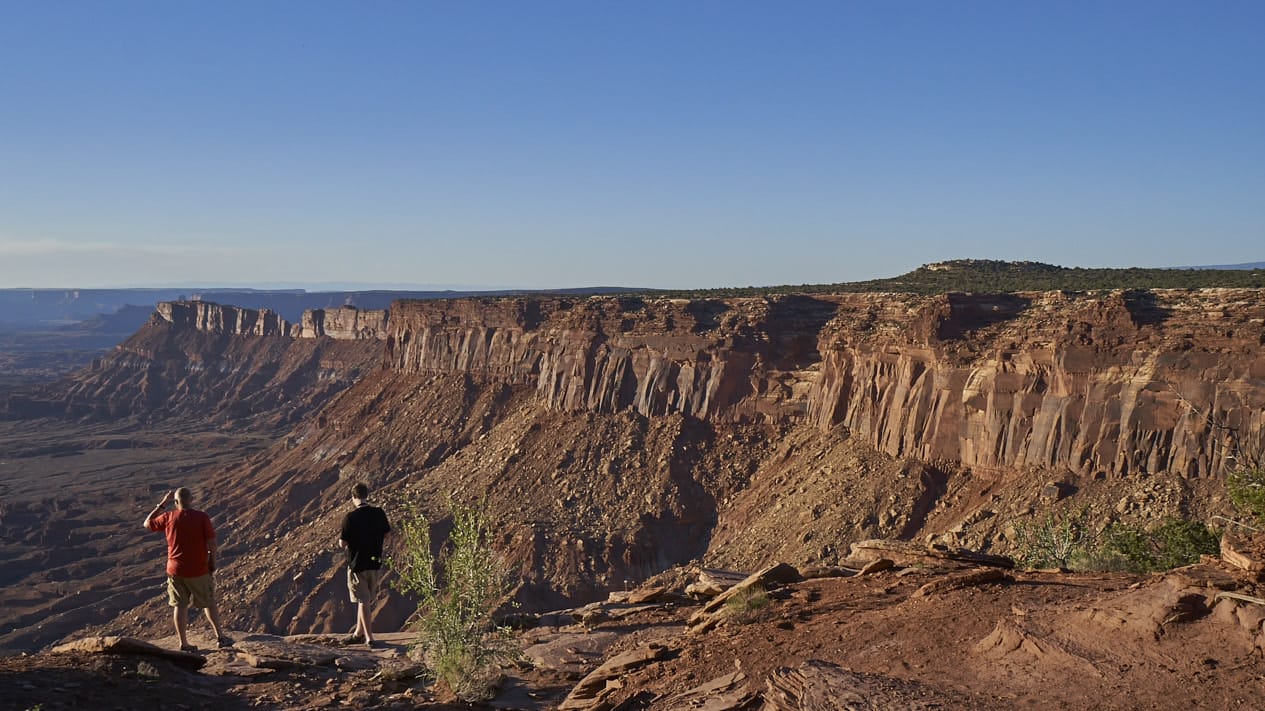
x: 672, y: 144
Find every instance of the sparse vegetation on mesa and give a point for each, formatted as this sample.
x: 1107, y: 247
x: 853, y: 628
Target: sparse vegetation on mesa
x: 460, y: 590
x: 994, y: 277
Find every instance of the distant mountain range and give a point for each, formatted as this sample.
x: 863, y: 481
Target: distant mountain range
x: 1246, y: 265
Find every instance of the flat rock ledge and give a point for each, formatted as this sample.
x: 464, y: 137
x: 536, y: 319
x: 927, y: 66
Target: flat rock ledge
x: 129, y: 645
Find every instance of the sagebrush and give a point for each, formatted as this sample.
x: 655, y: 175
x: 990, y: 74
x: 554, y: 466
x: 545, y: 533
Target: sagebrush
x: 1053, y: 540
x: 1247, y: 491
x: 460, y: 589
x: 1173, y: 543
x: 1067, y: 540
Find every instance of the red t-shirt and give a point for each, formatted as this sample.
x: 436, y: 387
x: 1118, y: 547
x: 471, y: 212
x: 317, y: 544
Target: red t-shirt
x: 188, y: 532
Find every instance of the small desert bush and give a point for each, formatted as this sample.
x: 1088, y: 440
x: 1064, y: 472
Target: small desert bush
x: 1247, y: 491
x: 460, y: 589
x: 1068, y: 540
x: 744, y: 605
x: 1055, y: 540
x: 1172, y: 544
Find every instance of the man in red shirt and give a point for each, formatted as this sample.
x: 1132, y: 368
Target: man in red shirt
x: 190, y: 560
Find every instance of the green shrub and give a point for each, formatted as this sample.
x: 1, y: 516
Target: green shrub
x: 1172, y: 544
x: 744, y: 605
x: 1054, y: 540
x: 459, y: 590
x: 1247, y: 491
x: 1067, y: 541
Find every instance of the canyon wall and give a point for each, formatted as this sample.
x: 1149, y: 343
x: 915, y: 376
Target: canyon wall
x: 346, y: 323
x: 1110, y: 383
x: 223, y: 363
x: 1115, y: 383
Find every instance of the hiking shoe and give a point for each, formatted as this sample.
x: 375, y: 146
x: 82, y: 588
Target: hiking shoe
x: 188, y: 648
x: 353, y: 639
x: 223, y: 642
x: 373, y: 644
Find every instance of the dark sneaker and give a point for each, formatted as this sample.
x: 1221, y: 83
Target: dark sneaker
x: 223, y: 642
x: 188, y: 648
x: 373, y: 644
x: 353, y: 639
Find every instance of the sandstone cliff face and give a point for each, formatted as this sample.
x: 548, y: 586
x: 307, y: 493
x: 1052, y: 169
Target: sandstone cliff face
x: 740, y: 361
x: 345, y: 323
x: 1118, y: 383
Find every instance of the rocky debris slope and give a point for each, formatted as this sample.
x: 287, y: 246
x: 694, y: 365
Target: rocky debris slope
x: 946, y: 636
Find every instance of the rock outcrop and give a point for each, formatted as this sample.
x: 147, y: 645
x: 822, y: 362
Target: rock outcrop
x: 346, y: 323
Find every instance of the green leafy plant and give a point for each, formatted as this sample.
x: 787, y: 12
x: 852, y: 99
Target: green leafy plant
x: 1172, y: 544
x: 460, y: 589
x: 1054, y: 540
x: 744, y: 605
x: 1247, y: 491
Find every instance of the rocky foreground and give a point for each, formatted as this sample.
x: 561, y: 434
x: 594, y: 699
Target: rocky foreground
x: 915, y: 628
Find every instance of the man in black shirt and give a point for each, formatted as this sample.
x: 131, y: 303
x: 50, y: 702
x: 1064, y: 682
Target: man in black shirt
x: 364, y: 528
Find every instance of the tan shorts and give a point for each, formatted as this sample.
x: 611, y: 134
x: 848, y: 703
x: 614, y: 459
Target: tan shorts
x: 180, y: 591
x: 363, y: 586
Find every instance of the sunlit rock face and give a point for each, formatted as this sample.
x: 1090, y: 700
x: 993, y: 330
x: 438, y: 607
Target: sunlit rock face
x: 1116, y: 382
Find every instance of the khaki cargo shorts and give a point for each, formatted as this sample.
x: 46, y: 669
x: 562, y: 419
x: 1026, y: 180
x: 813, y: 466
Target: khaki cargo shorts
x: 363, y: 585
x: 180, y: 591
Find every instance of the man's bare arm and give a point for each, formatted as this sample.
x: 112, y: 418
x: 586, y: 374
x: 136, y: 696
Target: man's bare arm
x: 158, y: 509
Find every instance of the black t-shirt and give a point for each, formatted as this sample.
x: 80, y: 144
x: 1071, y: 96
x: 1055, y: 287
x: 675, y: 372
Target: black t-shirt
x: 363, y: 530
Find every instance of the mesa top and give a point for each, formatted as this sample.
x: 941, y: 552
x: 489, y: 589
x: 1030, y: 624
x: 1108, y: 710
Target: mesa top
x: 363, y: 531
x: 188, y: 531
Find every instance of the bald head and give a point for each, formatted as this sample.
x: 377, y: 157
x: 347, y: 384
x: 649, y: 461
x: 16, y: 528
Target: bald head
x: 184, y: 499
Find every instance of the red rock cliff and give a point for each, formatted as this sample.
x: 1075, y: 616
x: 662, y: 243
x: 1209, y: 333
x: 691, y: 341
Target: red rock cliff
x: 342, y: 324
x: 1119, y: 382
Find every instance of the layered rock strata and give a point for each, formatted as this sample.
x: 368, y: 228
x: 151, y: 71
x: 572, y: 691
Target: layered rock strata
x: 345, y: 323
x: 1118, y: 382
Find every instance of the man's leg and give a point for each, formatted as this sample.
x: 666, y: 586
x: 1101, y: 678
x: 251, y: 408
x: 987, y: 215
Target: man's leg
x: 180, y: 616
x: 364, y: 622
x: 213, y: 616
